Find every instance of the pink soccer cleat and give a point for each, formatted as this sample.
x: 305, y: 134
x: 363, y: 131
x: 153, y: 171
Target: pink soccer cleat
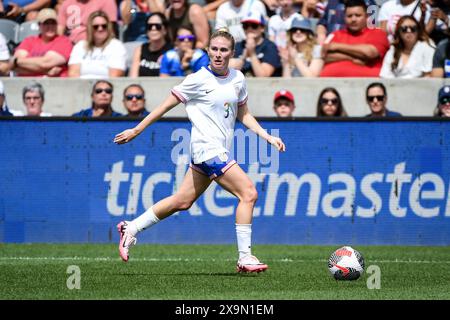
x: 126, y: 240
x: 250, y: 264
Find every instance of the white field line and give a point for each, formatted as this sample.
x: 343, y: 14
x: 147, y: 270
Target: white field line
x: 110, y: 259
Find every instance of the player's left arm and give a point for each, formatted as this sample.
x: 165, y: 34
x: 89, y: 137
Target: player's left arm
x: 129, y: 134
x: 250, y: 122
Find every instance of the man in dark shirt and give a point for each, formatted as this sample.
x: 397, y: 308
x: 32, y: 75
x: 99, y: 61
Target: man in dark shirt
x: 376, y: 96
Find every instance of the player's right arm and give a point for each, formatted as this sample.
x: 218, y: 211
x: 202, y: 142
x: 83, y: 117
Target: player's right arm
x: 129, y: 134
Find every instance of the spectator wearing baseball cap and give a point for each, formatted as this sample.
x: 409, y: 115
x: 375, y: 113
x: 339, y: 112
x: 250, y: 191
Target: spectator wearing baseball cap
x: 256, y: 56
x: 46, y: 54
x: 284, y: 104
x: 443, y: 107
x: 230, y: 13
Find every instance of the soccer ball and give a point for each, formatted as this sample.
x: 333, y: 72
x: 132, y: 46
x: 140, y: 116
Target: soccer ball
x: 346, y: 264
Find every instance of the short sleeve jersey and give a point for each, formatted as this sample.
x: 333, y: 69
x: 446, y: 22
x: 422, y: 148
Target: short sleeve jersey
x: 212, y: 104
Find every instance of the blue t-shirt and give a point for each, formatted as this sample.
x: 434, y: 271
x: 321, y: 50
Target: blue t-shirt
x: 5, y: 111
x: 266, y: 52
x: 90, y: 111
x: 20, y: 3
x: 171, y: 63
x: 389, y: 113
x: 334, y: 16
x: 144, y: 113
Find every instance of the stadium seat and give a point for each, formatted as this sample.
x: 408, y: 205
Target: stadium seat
x: 26, y: 29
x: 122, y: 29
x: 9, y: 29
x: 130, y: 46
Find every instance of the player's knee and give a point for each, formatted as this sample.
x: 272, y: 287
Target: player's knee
x: 182, y: 204
x: 250, y: 195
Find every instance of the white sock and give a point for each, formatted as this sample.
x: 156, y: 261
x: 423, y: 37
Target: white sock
x: 144, y: 221
x: 244, y: 239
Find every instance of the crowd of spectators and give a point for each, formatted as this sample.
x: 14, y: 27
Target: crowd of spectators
x: 104, y: 39
x: 287, y: 38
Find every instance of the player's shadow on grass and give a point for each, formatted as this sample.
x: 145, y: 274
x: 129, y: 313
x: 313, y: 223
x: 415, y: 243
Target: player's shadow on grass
x: 195, y: 274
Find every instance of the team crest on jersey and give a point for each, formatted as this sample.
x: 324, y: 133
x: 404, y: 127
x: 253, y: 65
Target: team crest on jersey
x: 236, y: 88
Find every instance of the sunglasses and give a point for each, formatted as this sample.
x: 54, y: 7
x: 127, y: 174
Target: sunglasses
x: 98, y: 26
x: 327, y: 101
x: 254, y: 26
x: 130, y: 97
x: 158, y: 26
x: 186, y: 37
x: 372, y: 98
x: 100, y: 90
x: 405, y: 29
x: 49, y: 22
x: 444, y: 100
x: 295, y: 30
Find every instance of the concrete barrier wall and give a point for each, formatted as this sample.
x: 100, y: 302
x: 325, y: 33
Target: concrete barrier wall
x: 410, y: 97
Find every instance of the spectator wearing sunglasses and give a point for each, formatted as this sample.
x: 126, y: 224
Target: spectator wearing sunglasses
x: 330, y: 104
x: 376, y: 96
x: 73, y: 16
x: 147, y: 57
x: 256, y: 56
x: 391, y: 11
x: 302, y: 57
x: 443, y: 107
x: 230, y: 14
x: 134, y: 101
x: 134, y: 15
x: 410, y: 55
x: 182, y: 13
x: 184, y: 59
x: 102, y: 96
x: 101, y: 55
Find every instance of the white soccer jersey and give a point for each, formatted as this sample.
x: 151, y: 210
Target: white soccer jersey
x: 211, y: 104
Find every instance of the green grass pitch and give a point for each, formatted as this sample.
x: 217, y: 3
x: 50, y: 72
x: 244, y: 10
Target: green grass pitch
x: 205, y: 272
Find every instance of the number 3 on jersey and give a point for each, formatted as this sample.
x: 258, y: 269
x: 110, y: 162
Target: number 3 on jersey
x: 227, y: 106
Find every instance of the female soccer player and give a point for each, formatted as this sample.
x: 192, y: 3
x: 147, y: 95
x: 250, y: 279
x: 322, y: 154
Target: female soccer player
x: 214, y: 97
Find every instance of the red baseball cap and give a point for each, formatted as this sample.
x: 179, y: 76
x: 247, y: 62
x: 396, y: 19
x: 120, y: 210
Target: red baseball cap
x: 284, y: 94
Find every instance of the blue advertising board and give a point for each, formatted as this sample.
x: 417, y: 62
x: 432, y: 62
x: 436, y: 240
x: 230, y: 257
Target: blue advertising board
x: 344, y: 182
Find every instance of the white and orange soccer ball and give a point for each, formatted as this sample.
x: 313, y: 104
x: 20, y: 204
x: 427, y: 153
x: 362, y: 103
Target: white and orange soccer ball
x: 346, y: 263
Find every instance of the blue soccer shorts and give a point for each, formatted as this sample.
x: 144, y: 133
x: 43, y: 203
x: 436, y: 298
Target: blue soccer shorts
x: 214, y: 167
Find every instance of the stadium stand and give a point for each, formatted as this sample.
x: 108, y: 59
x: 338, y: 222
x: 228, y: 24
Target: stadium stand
x: 26, y: 29
x: 9, y: 29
